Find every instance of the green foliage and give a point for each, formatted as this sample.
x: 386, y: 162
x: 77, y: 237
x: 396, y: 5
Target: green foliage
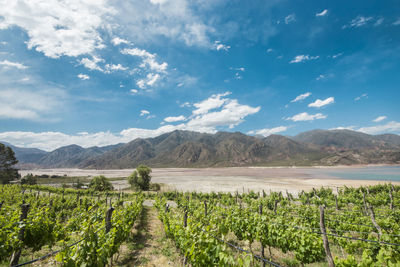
x: 7, y: 160
x: 100, y: 183
x: 29, y: 179
x: 140, y: 178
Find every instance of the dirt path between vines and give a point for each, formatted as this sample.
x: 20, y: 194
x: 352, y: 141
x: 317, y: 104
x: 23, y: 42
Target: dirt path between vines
x: 148, y: 245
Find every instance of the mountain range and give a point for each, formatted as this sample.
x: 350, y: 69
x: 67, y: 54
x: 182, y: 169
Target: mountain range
x: 193, y: 149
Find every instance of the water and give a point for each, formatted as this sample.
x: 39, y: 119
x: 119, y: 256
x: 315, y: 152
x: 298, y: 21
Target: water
x: 381, y: 173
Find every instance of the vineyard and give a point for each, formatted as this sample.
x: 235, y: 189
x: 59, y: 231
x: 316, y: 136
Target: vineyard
x: 348, y: 227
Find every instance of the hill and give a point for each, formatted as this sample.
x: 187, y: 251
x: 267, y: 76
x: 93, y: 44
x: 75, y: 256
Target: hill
x: 193, y: 149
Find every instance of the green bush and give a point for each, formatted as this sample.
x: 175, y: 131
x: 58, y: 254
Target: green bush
x: 100, y: 183
x: 140, y: 178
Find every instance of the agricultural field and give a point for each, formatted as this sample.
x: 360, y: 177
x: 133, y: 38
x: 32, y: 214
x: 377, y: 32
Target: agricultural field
x: 47, y: 226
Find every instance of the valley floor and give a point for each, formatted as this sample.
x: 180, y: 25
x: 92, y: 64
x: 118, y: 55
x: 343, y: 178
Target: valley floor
x: 244, y: 179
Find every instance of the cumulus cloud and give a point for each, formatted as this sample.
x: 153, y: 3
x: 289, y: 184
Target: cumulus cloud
x: 267, y: 132
x: 307, y: 117
x: 358, y: 22
x: 220, y: 46
x: 380, y: 118
x: 230, y: 113
x: 303, y: 58
x: 320, y: 103
x: 144, y: 112
x: 114, y: 67
x: 133, y: 91
x: 92, y: 64
x: 215, y: 101
x: 290, y: 18
x: 175, y: 119
x: 393, y: 127
x: 301, y: 97
x: 322, y: 13
x: 10, y: 64
x: 83, y: 76
x: 397, y: 22
x: 117, y: 41
x: 58, y: 28
x: 150, y: 80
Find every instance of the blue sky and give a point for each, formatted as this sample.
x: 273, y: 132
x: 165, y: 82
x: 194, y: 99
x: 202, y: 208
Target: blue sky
x: 102, y: 72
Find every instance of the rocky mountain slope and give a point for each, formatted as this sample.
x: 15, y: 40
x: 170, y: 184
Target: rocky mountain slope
x: 193, y: 149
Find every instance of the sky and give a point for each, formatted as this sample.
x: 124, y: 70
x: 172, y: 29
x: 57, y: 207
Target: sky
x: 101, y: 72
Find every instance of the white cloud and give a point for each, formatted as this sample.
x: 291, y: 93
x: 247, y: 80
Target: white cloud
x: 148, y: 59
x: 397, y: 22
x: 322, y: 13
x: 175, y: 119
x: 392, y: 126
x: 114, y: 67
x: 178, y: 20
x: 270, y: 50
x: 117, y: 41
x: 267, y: 132
x: 92, y: 64
x: 144, y: 112
x: 18, y: 103
x: 307, y: 117
x: 186, y: 104
x: 320, y: 103
x: 358, y: 22
x: 83, y: 76
x: 58, y: 28
x: 215, y: 101
x: 290, y: 18
x: 380, y: 118
x: 301, y: 97
x: 230, y: 113
x: 17, y: 65
x: 220, y: 46
x: 302, y: 58
x: 358, y: 98
x: 337, y: 55
x: 134, y: 91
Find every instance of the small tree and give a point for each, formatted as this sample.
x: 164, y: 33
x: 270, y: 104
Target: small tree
x: 7, y: 160
x: 140, y: 178
x: 100, y: 183
x: 29, y: 179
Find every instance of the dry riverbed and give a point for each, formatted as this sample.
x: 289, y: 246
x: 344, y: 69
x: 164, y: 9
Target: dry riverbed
x: 240, y: 179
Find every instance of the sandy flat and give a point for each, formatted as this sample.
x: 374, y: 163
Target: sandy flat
x: 241, y: 179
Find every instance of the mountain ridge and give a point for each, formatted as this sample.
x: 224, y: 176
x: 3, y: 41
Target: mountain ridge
x: 194, y: 149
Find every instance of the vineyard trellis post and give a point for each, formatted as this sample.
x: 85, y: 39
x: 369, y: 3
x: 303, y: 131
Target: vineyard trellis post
x: 108, y: 219
x: 24, y: 214
x: 391, y: 198
x: 324, y: 237
x: 1, y: 204
x: 372, y: 214
x: 260, y: 210
x: 205, y: 208
x: 365, y: 203
x: 336, y: 202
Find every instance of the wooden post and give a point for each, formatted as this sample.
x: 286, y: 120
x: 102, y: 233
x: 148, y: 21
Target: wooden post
x: 108, y: 219
x: 205, y: 208
x: 324, y: 237
x: 1, y: 204
x: 336, y: 201
x: 308, y: 200
x: 24, y: 214
x: 372, y: 213
x: 275, y: 206
x: 365, y: 204
x: 260, y: 210
x: 166, y: 208
x: 185, y: 218
x: 391, y: 198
